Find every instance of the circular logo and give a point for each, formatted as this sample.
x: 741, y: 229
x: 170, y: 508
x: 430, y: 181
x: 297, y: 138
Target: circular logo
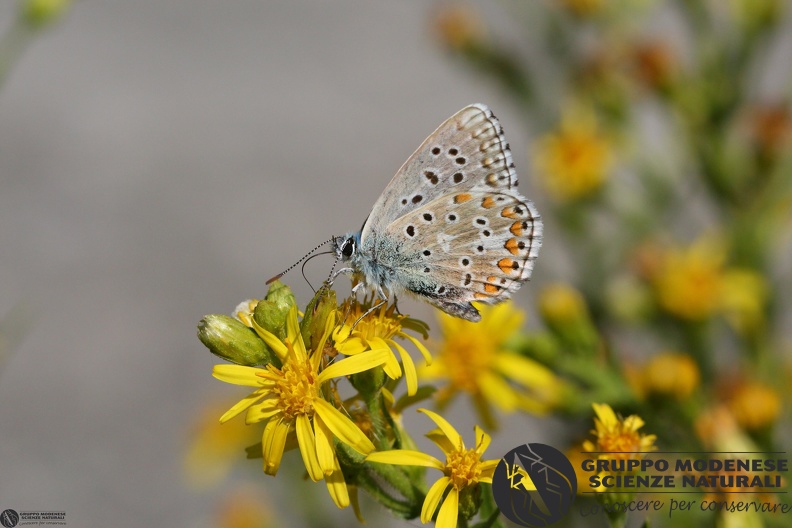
x: 534, y: 485
x: 9, y: 518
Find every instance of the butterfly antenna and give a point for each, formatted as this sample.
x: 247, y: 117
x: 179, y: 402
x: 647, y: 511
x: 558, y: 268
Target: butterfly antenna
x: 287, y: 270
x: 309, y: 260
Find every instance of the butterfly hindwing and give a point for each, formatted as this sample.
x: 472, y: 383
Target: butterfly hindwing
x: 469, y: 246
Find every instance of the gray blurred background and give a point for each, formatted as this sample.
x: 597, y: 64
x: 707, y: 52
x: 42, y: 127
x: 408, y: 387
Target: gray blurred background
x: 159, y: 160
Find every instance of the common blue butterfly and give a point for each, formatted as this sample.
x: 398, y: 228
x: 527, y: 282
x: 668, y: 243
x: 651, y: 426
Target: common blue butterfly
x: 450, y: 227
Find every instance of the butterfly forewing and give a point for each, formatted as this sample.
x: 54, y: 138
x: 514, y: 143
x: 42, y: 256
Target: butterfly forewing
x: 466, y: 153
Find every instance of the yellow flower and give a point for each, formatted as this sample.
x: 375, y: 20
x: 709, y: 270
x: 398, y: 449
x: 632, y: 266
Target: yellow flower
x: 575, y: 160
x: 376, y: 331
x: 41, y: 12
x: 671, y: 374
x: 245, y: 508
x: 618, y: 438
x: 462, y: 469
x: 473, y: 360
x: 290, y: 400
x: 560, y: 303
x: 459, y: 27
x: 688, y: 283
x: 695, y: 284
x: 755, y: 405
x: 743, y: 299
x: 214, y: 447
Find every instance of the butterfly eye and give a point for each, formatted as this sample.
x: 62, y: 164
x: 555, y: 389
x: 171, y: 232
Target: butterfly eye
x: 348, y: 248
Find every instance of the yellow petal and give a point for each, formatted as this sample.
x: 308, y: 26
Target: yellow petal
x: 316, y: 357
x: 410, y: 374
x: 272, y: 340
x: 294, y: 336
x: 487, y: 470
x: 273, y: 441
x: 305, y: 437
x: 433, y: 498
x: 324, y: 446
x: 605, y: 414
x: 482, y: 440
x: 337, y: 488
x: 351, y: 346
x: 405, y: 457
x: 449, y: 511
x: 354, y: 364
x: 437, y: 436
x: 343, y: 428
x: 262, y: 412
x: 496, y: 390
x: 237, y: 374
x: 240, y: 406
x: 524, y: 371
x: 447, y: 428
x: 422, y: 349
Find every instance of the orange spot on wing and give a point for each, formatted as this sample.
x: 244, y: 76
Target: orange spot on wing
x: 480, y: 296
x: 488, y: 203
x: 491, y: 288
x: 513, y: 246
x: 508, y: 265
x: 462, y: 198
x: 509, y: 212
x: 517, y: 228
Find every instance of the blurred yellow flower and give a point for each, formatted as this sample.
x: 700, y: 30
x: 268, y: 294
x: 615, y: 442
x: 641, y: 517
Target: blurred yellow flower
x: 245, y: 507
x: 670, y: 374
x: 376, y: 331
x: 688, y: 282
x: 290, y: 400
x: 560, y: 303
x: 754, y: 405
x: 462, y: 469
x: 694, y: 284
x: 618, y: 438
x: 214, y: 447
x: 743, y: 299
x: 459, y: 26
x: 473, y: 359
x: 575, y: 160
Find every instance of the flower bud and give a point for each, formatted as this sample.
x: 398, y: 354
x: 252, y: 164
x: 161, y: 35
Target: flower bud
x: 231, y: 340
x: 271, y: 313
x: 322, y: 306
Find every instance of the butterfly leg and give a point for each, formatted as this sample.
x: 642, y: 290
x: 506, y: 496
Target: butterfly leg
x: 370, y: 310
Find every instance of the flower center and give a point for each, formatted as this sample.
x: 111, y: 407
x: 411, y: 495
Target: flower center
x: 466, y: 357
x: 621, y: 442
x: 383, y: 322
x: 296, y: 388
x: 464, y: 468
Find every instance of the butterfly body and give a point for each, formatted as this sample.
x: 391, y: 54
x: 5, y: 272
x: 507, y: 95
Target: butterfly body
x: 451, y: 227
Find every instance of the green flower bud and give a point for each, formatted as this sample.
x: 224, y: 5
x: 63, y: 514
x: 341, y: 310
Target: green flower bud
x: 469, y: 501
x: 322, y: 306
x: 369, y: 382
x: 271, y: 313
x: 231, y: 340
x: 39, y: 13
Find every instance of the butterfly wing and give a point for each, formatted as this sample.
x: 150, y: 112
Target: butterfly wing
x: 464, y: 247
x: 451, y: 226
x: 467, y: 152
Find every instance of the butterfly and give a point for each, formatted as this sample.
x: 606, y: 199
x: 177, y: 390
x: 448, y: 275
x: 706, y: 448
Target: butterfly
x: 451, y: 228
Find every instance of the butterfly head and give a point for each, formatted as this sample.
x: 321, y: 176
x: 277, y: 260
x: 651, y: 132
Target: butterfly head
x: 346, y: 246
